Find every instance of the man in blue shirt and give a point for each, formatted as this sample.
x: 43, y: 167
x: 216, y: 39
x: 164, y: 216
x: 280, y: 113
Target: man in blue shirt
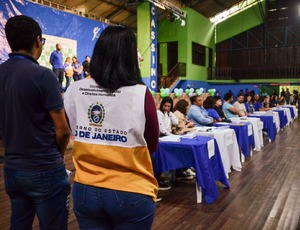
x: 56, y: 60
x: 228, y: 108
x: 34, y: 130
x: 197, y: 113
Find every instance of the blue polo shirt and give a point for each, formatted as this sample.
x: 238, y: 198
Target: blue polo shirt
x: 28, y: 92
x: 213, y: 113
x: 57, y: 59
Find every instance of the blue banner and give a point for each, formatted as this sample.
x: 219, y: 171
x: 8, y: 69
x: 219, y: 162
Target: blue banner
x: 78, y: 35
x: 153, y: 61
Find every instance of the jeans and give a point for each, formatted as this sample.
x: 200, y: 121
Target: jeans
x: 45, y: 193
x: 99, y: 208
x: 67, y: 82
x: 60, y: 75
x: 77, y: 77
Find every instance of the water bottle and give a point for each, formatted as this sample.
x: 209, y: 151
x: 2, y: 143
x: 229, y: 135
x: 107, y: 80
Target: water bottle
x: 251, y: 108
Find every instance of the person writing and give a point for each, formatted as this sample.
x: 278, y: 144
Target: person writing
x: 180, y: 111
x: 35, y: 132
x: 116, y: 129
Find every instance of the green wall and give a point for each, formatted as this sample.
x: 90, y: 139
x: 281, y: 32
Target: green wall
x: 201, y: 31
x: 143, y: 38
x: 198, y: 29
x: 170, y: 32
x: 239, y: 23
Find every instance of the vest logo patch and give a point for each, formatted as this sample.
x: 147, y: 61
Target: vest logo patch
x: 96, y: 114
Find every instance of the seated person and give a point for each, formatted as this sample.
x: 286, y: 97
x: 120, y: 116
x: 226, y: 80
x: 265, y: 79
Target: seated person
x: 273, y: 101
x: 209, y: 104
x: 228, y: 108
x: 248, y: 104
x: 218, y: 108
x: 180, y: 111
x: 259, y: 105
x: 197, y: 113
x: 240, y: 106
x: 166, y: 118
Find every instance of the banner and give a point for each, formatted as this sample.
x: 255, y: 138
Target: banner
x: 77, y: 35
x: 153, y: 60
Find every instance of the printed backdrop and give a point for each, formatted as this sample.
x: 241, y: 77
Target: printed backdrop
x: 77, y: 35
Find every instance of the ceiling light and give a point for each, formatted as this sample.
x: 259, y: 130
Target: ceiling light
x: 159, y: 5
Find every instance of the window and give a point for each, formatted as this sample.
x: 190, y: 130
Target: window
x: 198, y: 54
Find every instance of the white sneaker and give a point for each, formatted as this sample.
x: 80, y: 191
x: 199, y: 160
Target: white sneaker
x: 190, y: 172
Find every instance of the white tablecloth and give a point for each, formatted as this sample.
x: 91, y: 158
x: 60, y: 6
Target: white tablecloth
x: 287, y: 113
x: 257, y: 130
x: 294, y: 108
x: 228, y: 146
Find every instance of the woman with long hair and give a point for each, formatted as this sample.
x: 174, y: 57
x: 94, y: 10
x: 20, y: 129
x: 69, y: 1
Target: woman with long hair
x: 113, y: 118
x: 166, y: 118
x: 180, y: 111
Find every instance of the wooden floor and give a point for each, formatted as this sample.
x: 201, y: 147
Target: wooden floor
x: 264, y: 195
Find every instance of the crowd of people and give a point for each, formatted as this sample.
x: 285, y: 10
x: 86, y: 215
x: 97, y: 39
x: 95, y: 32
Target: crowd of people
x: 206, y: 111
x: 69, y: 69
x: 115, y: 133
x: 115, y: 124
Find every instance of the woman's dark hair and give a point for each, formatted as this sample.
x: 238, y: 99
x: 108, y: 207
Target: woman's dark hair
x: 21, y: 32
x: 209, y: 103
x: 164, y: 101
x: 114, y: 61
x: 181, y: 106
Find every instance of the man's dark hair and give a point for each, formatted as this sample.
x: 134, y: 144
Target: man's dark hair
x: 217, y: 98
x: 227, y: 96
x: 193, y: 99
x: 114, y: 61
x: 21, y: 32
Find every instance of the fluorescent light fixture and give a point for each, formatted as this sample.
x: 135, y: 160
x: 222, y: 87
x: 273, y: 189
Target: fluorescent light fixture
x: 165, y: 5
x: 159, y: 5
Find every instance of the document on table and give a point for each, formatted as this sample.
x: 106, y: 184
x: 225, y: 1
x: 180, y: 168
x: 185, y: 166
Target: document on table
x: 170, y: 138
x: 211, y: 148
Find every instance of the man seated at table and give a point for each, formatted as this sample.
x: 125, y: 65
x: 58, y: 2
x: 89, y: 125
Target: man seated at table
x: 228, y: 108
x: 198, y: 114
x: 240, y: 106
x: 259, y: 105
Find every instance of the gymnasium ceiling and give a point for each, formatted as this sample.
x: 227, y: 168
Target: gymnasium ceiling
x: 125, y: 13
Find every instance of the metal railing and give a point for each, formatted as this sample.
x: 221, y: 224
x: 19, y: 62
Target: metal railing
x: 261, y: 72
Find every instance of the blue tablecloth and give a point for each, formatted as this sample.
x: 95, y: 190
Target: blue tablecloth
x: 269, y: 125
x: 282, y: 118
x: 193, y: 153
x: 241, y: 131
